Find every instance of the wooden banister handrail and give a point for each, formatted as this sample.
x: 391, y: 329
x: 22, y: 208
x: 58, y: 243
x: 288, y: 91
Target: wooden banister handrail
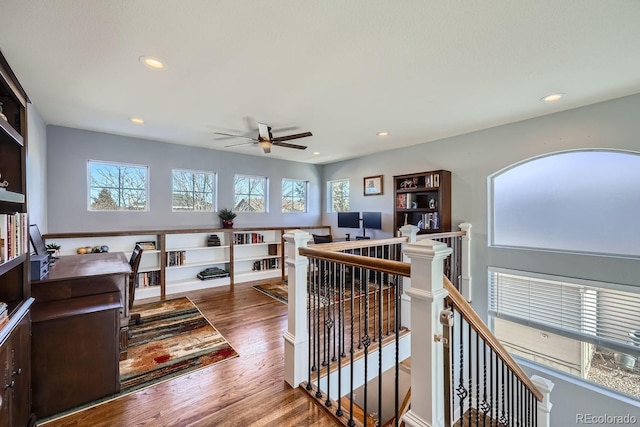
x: 441, y: 235
x: 384, y: 265
x: 483, y: 331
x: 356, y: 244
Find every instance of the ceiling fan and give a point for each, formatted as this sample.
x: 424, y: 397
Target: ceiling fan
x: 266, y: 139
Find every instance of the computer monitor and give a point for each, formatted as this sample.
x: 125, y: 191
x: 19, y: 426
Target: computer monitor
x: 348, y: 219
x: 372, y: 220
x: 36, y: 240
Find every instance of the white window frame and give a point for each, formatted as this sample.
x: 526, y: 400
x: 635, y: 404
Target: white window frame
x: 214, y: 189
x: 292, y: 197
x: 119, y: 189
x: 250, y: 195
x: 330, y: 203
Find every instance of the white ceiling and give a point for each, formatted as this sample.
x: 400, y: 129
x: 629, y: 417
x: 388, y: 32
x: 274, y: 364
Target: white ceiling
x: 420, y: 69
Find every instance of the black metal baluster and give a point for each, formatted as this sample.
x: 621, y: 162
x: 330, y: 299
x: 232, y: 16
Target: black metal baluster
x: 366, y: 341
x: 503, y: 418
x: 461, y: 391
x: 397, y: 356
x: 483, y: 405
x: 351, y: 351
x: 310, y: 323
x: 470, y: 382
x: 477, y: 348
x: 318, y: 328
x: 332, y: 296
x: 380, y: 324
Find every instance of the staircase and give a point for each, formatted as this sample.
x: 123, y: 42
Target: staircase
x: 349, y: 327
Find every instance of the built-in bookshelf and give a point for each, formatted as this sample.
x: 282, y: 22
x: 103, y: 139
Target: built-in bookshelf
x: 423, y: 199
x: 257, y: 254
x: 188, y: 255
x: 15, y: 286
x: 181, y: 260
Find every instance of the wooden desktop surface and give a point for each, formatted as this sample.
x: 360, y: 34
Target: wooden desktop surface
x: 79, y: 266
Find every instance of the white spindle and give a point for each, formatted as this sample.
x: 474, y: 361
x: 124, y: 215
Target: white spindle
x: 465, y: 260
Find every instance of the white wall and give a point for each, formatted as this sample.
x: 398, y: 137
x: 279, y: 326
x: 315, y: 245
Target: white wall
x: 70, y: 149
x: 36, y: 168
x: 472, y: 158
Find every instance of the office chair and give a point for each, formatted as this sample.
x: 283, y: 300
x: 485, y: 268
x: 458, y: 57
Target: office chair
x: 134, y: 262
x: 322, y: 238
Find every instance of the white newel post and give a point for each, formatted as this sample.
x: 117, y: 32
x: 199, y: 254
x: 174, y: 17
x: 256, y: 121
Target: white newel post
x: 427, y: 301
x: 544, y: 408
x: 411, y: 232
x: 465, y: 279
x: 296, y: 339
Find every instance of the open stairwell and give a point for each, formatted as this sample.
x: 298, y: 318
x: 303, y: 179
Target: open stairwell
x: 349, y: 343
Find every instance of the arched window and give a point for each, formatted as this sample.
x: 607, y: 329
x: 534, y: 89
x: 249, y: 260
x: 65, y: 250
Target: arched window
x: 576, y: 201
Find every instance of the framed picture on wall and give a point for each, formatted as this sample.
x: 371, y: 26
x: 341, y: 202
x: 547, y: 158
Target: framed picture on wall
x: 373, y: 185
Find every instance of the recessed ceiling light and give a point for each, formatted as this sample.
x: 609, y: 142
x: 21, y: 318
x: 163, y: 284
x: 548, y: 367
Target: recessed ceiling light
x: 153, y: 63
x: 382, y: 133
x: 315, y: 153
x: 136, y: 120
x: 553, y: 97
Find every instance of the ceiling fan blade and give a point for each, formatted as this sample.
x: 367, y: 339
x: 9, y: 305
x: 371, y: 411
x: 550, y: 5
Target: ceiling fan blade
x: 287, y: 145
x: 287, y: 129
x: 235, y: 136
x: 290, y: 137
x: 242, y: 143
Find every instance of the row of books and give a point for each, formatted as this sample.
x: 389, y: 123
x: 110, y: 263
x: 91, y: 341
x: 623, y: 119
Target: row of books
x: 429, y: 221
x: 247, y: 238
x: 266, y: 264
x: 406, y: 201
x: 149, y: 278
x: 4, y: 313
x: 176, y: 258
x: 14, y: 235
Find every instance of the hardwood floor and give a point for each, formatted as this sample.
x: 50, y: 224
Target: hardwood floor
x: 245, y: 391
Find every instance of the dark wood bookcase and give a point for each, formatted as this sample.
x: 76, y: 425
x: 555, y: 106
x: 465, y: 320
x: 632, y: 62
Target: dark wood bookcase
x: 15, y: 290
x: 423, y: 199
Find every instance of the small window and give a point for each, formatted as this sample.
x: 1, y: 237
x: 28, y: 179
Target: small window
x: 117, y: 187
x: 338, y: 191
x: 294, y: 195
x: 250, y: 193
x: 193, y: 191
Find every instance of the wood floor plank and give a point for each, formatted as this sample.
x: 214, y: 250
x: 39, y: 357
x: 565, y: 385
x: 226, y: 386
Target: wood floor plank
x: 245, y: 391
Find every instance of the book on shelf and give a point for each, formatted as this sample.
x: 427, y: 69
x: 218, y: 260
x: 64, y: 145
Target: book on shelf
x: 14, y: 235
x: 148, y: 245
x: 212, y: 273
x: 247, y: 238
x: 176, y: 258
x: 213, y: 240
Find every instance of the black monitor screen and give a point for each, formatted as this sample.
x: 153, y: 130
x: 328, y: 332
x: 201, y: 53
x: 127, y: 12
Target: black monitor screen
x: 372, y: 220
x: 348, y: 219
x: 36, y: 240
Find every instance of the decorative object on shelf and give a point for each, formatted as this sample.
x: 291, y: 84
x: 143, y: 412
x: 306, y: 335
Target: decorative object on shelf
x: 2, y: 116
x: 3, y: 184
x: 53, y: 249
x: 373, y: 185
x: 227, y: 216
x: 409, y: 184
x: 432, y: 203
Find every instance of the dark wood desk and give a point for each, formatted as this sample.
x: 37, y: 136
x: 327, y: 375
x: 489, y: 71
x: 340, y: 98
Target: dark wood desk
x: 76, y: 321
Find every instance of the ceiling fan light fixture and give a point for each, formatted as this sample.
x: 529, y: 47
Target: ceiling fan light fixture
x: 382, y: 133
x: 266, y: 146
x: 153, y: 62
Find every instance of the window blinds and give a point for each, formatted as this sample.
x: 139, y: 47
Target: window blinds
x: 604, y: 314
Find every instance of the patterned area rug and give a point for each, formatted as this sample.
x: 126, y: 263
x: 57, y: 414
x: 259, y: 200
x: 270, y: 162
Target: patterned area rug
x: 174, y: 338
x: 280, y: 290
x: 276, y: 290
